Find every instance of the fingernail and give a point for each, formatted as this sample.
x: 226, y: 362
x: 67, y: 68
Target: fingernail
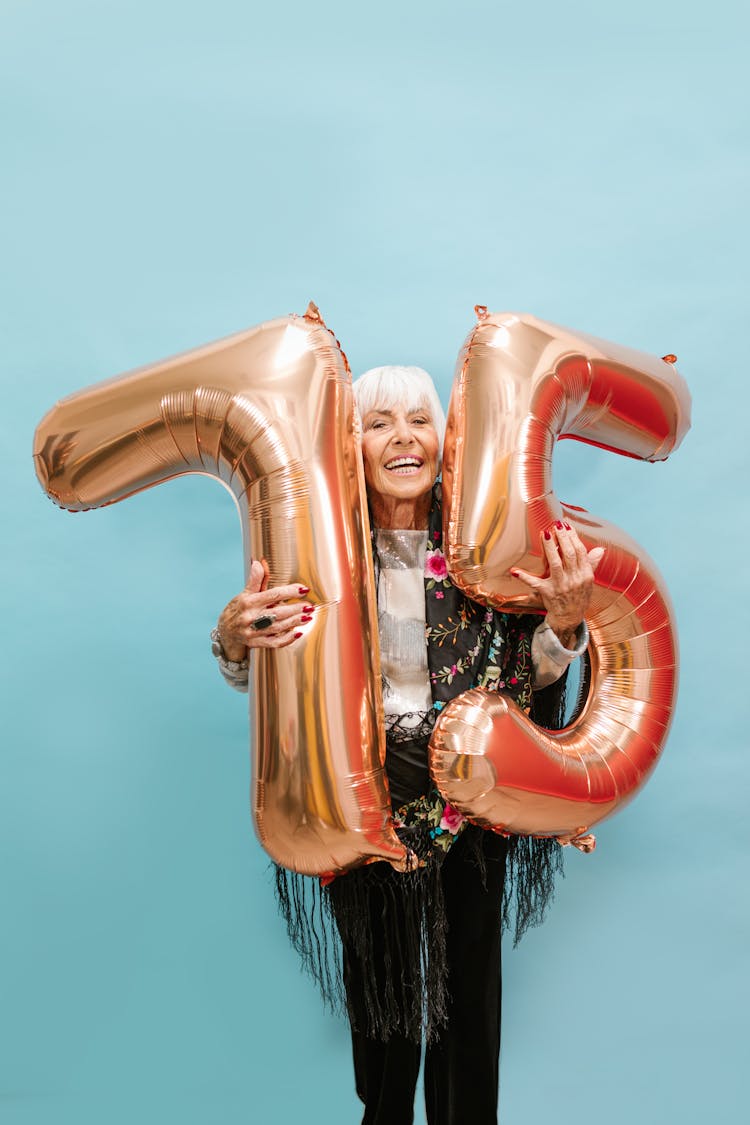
x: 547, y: 535
x: 568, y: 527
x: 306, y: 620
x: 559, y: 524
x: 304, y: 589
x: 308, y: 608
x: 297, y: 636
x: 514, y: 573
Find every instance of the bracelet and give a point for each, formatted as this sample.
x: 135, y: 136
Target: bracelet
x: 227, y: 665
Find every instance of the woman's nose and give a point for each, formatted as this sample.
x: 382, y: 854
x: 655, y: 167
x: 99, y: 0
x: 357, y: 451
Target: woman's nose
x: 402, y: 431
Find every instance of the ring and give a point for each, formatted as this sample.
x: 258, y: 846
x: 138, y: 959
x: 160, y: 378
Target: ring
x: 263, y: 622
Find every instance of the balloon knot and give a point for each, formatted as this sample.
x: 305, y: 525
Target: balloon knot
x: 669, y: 358
x: 312, y: 312
x: 584, y: 843
x: 481, y: 311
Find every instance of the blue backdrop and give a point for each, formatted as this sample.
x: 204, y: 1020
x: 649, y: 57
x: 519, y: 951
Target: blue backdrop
x: 174, y: 172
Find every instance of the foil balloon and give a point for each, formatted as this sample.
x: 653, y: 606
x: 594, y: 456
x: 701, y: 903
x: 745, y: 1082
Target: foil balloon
x: 270, y: 414
x: 521, y: 384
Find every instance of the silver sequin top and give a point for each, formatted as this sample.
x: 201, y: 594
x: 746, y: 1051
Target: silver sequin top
x: 401, y: 622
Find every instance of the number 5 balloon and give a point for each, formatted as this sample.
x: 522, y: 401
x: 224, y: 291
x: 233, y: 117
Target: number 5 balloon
x: 521, y: 384
x: 270, y: 414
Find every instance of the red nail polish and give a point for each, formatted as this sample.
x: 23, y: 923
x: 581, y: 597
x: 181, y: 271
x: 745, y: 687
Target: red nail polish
x: 514, y: 574
x: 306, y: 619
x: 307, y: 608
x: 559, y: 524
x: 297, y: 636
x: 304, y: 589
x: 568, y: 527
x: 547, y: 535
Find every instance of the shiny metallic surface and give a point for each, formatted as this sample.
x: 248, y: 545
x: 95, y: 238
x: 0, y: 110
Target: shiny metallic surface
x: 521, y: 385
x: 269, y: 413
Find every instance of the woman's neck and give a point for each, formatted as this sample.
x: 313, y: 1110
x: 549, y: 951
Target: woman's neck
x: 391, y: 514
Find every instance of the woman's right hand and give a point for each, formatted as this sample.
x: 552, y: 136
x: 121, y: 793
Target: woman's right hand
x: 239, y: 620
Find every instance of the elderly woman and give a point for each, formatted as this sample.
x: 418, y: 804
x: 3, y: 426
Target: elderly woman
x: 421, y: 949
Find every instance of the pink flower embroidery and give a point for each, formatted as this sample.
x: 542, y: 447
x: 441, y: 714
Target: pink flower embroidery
x: 439, y: 594
x: 452, y: 819
x: 434, y: 565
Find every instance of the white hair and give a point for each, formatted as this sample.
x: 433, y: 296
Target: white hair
x: 410, y: 388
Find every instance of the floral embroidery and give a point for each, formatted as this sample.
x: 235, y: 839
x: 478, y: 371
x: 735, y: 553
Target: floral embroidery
x: 435, y: 565
x: 452, y: 819
x: 435, y: 569
x: 443, y: 822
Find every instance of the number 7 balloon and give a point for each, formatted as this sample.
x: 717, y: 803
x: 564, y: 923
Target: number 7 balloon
x: 521, y: 384
x: 269, y: 413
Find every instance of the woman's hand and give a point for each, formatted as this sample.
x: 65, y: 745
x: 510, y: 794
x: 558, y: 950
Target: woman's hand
x: 566, y: 590
x: 259, y: 617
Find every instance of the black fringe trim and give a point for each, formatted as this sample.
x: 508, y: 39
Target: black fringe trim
x: 529, y: 882
x: 374, y: 939
x: 531, y: 867
x: 305, y: 907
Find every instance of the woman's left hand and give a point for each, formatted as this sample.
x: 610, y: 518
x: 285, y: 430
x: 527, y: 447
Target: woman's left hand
x: 566, y: 590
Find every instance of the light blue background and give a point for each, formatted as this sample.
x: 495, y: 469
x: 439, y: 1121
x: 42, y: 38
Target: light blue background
x: 173, y: 172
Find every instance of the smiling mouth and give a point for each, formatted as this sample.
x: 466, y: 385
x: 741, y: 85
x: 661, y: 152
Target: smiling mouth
x: 403, y: 466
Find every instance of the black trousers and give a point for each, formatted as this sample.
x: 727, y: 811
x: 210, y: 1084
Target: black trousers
x: 462, y: 1065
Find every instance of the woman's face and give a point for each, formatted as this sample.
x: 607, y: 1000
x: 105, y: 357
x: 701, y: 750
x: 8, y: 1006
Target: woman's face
x: 401, y: 450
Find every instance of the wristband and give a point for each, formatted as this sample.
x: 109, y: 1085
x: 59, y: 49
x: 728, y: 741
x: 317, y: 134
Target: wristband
x: 231, y: 667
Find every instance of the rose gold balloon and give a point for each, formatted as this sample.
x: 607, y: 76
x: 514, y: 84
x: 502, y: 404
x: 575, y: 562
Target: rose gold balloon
x: 521, y: 384
x: 269, y: 413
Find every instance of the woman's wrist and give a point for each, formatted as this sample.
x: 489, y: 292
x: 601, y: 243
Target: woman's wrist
x: 227, y: 653
x: 567, y: 635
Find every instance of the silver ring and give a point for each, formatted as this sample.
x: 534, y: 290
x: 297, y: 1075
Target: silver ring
x: 263, y: 622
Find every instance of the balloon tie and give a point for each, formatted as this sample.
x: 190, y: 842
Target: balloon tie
x: 312, y: 312
x: 585, y: 844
